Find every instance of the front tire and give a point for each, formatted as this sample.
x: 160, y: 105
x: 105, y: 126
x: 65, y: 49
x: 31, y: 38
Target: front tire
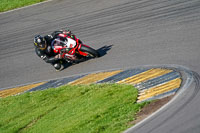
x: 57, y: 66
x: 91, y: 52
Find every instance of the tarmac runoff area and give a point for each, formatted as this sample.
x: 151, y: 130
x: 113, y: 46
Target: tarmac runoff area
x: 151, y: 82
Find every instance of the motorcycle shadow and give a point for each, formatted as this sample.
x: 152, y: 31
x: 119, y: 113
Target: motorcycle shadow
x: 102, y: 52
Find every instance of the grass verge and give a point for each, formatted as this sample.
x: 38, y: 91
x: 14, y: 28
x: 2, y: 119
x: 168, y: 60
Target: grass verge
x: 6, y: 5
x: 86, y: 108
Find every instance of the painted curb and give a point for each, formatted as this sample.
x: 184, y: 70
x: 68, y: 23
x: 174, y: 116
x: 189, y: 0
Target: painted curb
x: 188, y: 77
x: 152, y: 82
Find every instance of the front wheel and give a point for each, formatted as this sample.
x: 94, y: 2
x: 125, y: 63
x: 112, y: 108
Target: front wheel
x: 90, y: 51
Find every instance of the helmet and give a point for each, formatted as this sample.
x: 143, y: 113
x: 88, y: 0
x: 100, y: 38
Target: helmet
x: 40, y: 42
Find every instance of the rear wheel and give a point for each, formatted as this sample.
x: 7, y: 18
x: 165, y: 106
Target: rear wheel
x: 91, y: 52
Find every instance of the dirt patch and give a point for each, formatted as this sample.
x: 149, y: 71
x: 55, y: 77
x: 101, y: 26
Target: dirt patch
x: 150, y: 108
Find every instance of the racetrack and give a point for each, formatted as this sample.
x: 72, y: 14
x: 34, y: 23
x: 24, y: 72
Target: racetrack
x: 128, y: 33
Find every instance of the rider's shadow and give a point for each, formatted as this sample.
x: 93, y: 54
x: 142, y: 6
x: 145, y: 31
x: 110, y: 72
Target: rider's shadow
x: 102, y: 51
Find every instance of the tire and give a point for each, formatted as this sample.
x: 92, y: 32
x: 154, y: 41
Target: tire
x: 92, y: 52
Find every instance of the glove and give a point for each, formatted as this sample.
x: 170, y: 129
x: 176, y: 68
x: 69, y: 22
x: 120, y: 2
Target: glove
x: 44, y: 57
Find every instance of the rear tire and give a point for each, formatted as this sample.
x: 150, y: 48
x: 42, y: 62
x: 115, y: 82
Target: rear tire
x: 92, y: 52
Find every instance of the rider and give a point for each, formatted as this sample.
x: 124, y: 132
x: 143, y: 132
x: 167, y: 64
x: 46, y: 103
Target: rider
x: 44, y: 50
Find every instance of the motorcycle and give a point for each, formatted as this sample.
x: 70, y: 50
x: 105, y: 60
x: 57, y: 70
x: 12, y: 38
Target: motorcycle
x: 71, y: 48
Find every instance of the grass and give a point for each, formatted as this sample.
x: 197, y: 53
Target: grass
x: 6, y: 5
x: 98, y: 108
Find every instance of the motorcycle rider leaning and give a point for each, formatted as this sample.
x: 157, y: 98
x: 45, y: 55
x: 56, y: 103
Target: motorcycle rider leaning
x: 44, y: 50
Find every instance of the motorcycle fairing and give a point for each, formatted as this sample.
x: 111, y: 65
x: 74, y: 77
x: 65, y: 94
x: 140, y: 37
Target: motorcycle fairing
x: 63, y: 41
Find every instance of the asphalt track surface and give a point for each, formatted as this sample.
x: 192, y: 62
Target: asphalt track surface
x: 128, y: 33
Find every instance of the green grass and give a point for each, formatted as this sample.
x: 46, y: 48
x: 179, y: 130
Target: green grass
x: 105, y: 108
x: 6, y: 5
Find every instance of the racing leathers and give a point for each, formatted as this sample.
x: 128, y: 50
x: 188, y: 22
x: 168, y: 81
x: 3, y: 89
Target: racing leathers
x: 48, y: 54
